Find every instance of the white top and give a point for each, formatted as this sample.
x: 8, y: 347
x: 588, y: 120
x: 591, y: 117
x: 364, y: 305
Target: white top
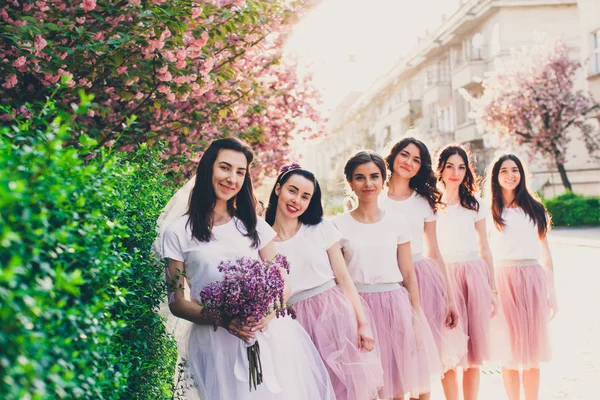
x: 201, y: 259
x: 519, y: 238
x: 307, y: 254
x: 456, y: 234
x: 370, y: 250
x: 417, y: 211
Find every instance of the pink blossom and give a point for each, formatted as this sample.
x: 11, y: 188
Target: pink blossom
x: 122, y: 70
x: 167, y: 77
x: 164, y: 89
x: 196, y: 12
x: 181, y: 54
x: 10, y: 82
x: 99, y: 36
x: 39, y: 43
x: 88, y: 5
x: 19, y: 62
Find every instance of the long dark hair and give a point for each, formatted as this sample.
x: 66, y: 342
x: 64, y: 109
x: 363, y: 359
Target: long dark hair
x: 469, y: 186
x: 424, y: 182
x: 363, y: 157
x: 203, y: 197
x: 524, y: 199
x: 313, y: 213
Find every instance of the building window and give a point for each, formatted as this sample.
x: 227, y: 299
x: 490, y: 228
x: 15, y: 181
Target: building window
x: 445, y: 120
x: 595, y: 53
x: 461, y: 108
x: 445, y: 70
x: 472, y: 49
x: 477, y: 47
x: 430, y: 76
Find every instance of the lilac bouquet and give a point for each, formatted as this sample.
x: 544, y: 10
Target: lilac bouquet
x: 249, y: 289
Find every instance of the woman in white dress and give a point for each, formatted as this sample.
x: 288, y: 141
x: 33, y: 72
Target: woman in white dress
x: 524, y: 275
x: 221, y: 224
x: 326, y: 302
x: 376, y: 247
x: 463, y: 241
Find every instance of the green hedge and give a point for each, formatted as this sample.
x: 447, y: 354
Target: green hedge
x: 79, y: 286
x: 570, y: 209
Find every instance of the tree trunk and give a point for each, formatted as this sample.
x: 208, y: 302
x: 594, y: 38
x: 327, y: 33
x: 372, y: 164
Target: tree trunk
x: 563, y: 176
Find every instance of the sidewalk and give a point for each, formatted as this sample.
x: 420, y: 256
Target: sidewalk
x: 578, y: 236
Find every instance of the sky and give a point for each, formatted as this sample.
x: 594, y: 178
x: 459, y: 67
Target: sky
x: 348, y: 44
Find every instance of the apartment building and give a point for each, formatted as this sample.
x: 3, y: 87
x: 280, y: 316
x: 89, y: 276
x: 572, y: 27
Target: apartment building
x: 425, y: 90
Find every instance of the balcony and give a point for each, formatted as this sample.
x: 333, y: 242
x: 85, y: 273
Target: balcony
x: 409, y: 109
x: 467, y: 132
x: 440, y: 92
x: 468, y: 74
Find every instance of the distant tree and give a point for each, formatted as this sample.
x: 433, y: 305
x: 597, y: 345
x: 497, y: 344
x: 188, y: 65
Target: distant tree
x: 532, y: 102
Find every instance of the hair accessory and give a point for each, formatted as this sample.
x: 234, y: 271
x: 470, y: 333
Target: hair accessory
x: 288, y: 167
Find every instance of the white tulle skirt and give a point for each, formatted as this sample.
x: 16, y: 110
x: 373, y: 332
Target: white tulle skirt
x: 217, y: 368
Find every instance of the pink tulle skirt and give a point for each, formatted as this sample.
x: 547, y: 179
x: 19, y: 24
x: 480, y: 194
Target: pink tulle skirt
x: 451, y: 344
x: 470, y: 282
x: 405, y: 342
x: 521, y: 333
x: 330, y: 321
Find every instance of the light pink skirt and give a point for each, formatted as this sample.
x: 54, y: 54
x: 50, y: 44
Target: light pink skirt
x: 470, y: 281
x: 451, y: 344
x: 330, y: 321
x: 405, y: 341
x: 521, y: 327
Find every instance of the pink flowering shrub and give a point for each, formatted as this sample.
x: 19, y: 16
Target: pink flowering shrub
x: 191, y: 71
x: 533, y: 102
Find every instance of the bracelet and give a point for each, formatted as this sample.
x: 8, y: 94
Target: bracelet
x: 495, y: 291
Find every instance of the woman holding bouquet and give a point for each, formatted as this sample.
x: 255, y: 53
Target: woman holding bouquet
x: 376, y: 247
x: 220, y: 225
x: 323, y: 294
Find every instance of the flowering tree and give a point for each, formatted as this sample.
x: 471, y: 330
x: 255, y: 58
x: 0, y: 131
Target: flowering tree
x: 532, y: 101
x: 189, y: 71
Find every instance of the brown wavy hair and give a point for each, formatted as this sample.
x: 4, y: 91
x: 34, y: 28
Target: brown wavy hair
x: 469, y: 186
x: 424, y: 182
x: 527, y: 201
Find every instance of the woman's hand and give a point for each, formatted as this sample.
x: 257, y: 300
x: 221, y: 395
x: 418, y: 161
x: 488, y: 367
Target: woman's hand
x: 495, y: 304
x: 243, y: 331
x: 261, y: 325
x: 452, y: 316
x: 365, y: 337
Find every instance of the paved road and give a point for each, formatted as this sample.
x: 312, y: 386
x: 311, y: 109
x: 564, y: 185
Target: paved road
x: 574, y: 372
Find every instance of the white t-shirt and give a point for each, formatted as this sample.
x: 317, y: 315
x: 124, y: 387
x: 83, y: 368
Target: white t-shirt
x: 201, y: 259
x: 456, y: 234
x: 370, y: 250
x: 519, y: 238
x: 417, y: 211
x: 307, y: 254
